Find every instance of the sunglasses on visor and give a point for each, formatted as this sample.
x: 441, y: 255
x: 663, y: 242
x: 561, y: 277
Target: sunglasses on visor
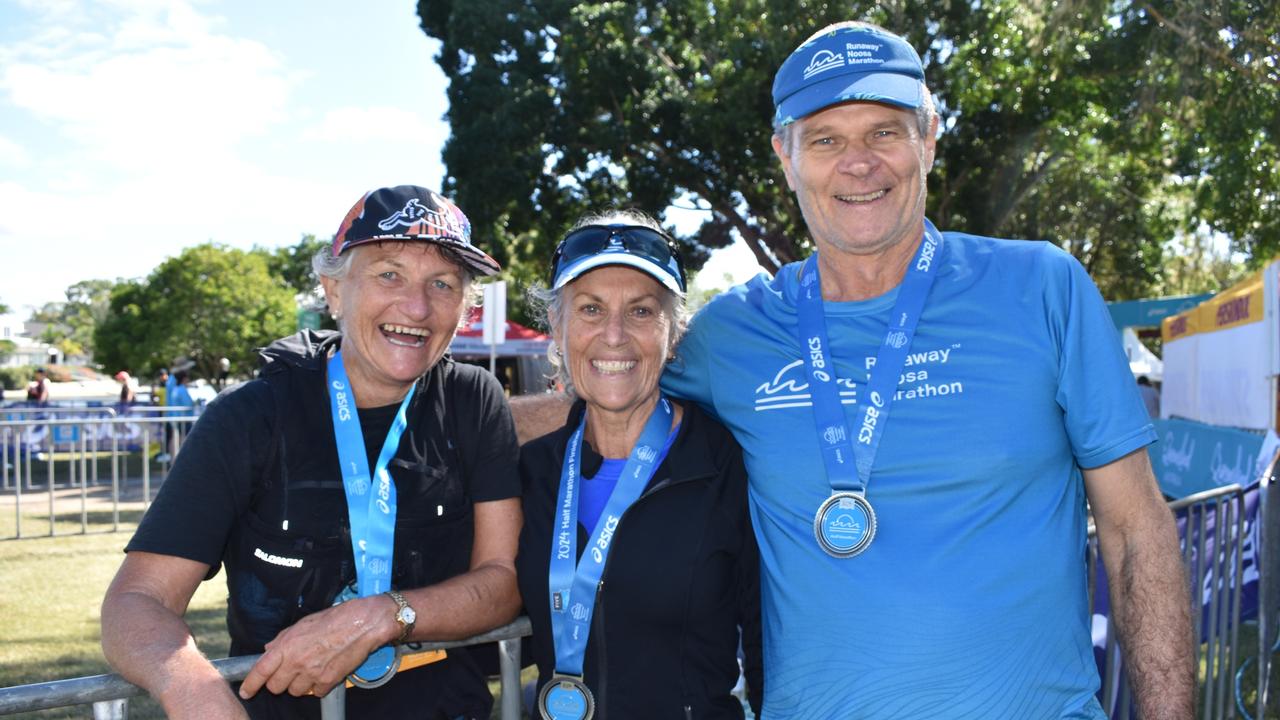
x: 636, y: 240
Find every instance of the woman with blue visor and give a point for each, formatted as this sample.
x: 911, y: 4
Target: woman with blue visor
x: 637, y: 562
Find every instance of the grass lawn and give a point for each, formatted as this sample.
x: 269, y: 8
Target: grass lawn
x: 49, y: 611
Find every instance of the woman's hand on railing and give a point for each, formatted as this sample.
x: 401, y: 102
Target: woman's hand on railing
x: 320, y: 650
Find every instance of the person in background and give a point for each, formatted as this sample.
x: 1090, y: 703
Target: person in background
x: 160, y: 388
x: 640, y: 496
x: 1150, y: 396
x: 128, y: 395
x: 224, y: 371
x: 361, y: 493
x: 38, y: 389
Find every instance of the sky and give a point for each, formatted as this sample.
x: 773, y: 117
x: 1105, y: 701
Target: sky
x: 131, y: 129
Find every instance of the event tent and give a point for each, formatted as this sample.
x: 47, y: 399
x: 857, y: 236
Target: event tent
x: 519, y: 341
x: 1141, y: 360
x: 1221, y: 357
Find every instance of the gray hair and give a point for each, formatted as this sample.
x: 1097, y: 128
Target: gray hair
x: 550, y: 307
x: 925, y: 114
x: 326, y: 265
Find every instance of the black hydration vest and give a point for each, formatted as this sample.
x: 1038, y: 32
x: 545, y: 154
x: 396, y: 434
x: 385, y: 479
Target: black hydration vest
x: 290, y: 554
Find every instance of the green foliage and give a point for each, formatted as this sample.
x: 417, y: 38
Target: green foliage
x: 292, y: 263
x: 209, y: 302
x: 16, y: 378
x: 1081, y: 122
x: 6, y: 349
x: 70, y: 325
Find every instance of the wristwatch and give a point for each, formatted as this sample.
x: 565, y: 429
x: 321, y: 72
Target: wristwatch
x: 405, y: 615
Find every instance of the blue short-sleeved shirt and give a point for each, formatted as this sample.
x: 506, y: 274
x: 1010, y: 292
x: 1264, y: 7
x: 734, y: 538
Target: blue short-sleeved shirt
x: 972, y: 600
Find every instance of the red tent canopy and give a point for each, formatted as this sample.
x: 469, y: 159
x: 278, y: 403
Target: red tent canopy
x: 519, y: 340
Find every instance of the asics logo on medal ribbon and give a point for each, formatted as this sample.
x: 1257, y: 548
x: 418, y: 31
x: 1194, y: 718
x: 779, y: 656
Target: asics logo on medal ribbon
x: 815, y: 359
x: 340, y: 397
x: 822, y: 61
x: 606, y: 536
x: 926, y: 254
x: 869, y: 418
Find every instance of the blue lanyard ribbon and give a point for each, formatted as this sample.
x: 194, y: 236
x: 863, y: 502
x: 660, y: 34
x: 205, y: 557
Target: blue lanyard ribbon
x: 573, y: 590
x: 847, y: 455
x: 372, y: 510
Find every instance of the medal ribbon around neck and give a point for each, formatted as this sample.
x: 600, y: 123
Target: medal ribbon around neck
x: 370, y: 508
x: 573, y: 590
x: 848, y: 456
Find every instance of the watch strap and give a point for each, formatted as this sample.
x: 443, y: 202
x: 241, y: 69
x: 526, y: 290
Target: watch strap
x: 402, y: 605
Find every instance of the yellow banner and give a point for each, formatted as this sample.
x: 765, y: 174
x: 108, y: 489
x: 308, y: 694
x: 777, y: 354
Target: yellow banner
x: 1239, y: 304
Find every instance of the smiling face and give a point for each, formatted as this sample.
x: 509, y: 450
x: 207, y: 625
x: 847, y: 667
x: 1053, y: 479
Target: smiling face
x: 399, y: 304
x: 616, y: 336
x: 859, y: 173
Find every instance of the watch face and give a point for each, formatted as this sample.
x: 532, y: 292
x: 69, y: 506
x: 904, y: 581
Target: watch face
x: 408, y: 616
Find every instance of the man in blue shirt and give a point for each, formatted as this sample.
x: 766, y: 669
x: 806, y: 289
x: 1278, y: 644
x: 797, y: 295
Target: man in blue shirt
x: 924, y: 416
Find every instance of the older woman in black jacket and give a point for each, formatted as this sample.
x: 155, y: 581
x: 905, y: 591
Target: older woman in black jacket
x: 637, y: 562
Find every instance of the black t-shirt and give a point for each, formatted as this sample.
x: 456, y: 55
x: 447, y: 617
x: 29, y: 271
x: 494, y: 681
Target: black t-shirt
x: 257, y: 488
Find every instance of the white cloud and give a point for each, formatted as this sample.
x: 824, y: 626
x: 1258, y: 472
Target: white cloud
x: 156, y: 87
x: 131, y: 129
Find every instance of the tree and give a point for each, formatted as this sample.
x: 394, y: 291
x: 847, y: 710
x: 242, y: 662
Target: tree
x: 1056, y: 122
x: 292, y: 263
x: 70, y: 325
x: 208, y: 303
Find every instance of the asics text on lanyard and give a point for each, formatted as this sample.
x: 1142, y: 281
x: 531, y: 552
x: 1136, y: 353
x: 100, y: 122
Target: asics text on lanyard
x: 845, y: 523
x: 573, y: 589
x: 371, y: 507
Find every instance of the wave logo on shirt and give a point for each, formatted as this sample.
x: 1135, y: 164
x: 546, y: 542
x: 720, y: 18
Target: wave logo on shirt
x: 646, y: 454
x: 378, y: 566
x: 896, y: 339
x: 578, y: 611
x: 789, y: 388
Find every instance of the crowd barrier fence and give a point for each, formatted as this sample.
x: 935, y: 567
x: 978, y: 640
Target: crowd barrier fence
x: 1230, y: 538
x: 109, y: 694
x: 46, y: 454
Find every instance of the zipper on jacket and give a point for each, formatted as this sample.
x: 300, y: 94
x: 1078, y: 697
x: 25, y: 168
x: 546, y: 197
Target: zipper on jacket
x: 688, y: 712
x: 597, y: 620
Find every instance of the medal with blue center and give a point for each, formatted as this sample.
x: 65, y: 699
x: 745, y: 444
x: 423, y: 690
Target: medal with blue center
x: 371, y: 510
x: 845, y: 523
x: 566, y: 696
x: 381, y: 665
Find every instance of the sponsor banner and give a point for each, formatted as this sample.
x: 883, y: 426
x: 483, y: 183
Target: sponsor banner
x: 88, y: 431
x: 1240, y: 304
x: 1191, y: 457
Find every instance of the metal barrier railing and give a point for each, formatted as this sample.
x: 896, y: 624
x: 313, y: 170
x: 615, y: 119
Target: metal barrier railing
x: 109, y: 694
x: 70, y: 450
x: 1219, y: 531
